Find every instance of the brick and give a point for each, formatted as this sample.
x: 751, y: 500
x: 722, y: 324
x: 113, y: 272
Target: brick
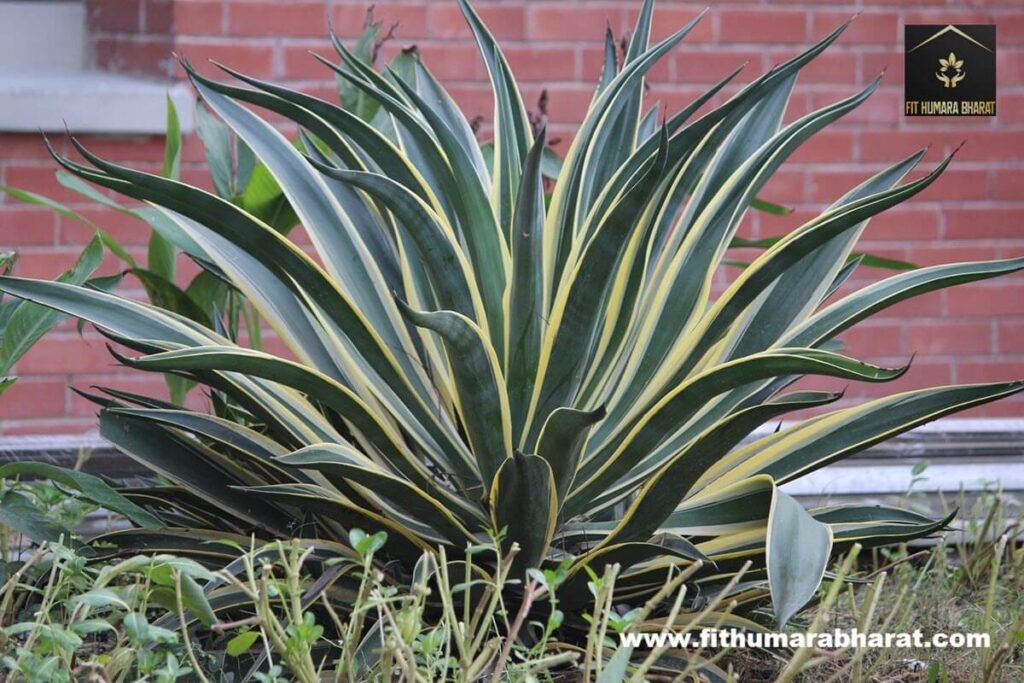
x: 924, y: 305
x: 668, y: 19
x: 249, y: 58
x: 826, y: 145
x: 865, y: 28
x: 992, y: 145
x: 963, y: 223
x: 25, y: 226
x: 300, y: 64
x: 542, y: 64
x: 40, y: 178
x: 957, y: 185
x: 49, y: 262
x: 785, y: 187
x: 675, y: 98
x: 887, y: 62
x: 834, y: 66
x: 891, y: 146
x: 826, y: 186
x: 970, y: 16
x: 1011, y: 29
x: 1007, y: 183
x: 506, y: 22
x: 115, y: 16
x: 933, y: 254
x: 888, y: 250
x: 973, y: 212
x: 192, y: 150
x: 944, y: 337
x: 566, y: 105
x: 711, y: 67
x: 158, y: 16
x: 923, y: 373
x: 410, y: 19
x: 1010, y: 107
x: 573, y: 22
x: 902, y: 224
x: 771, y: 26
x: 1011, y: 406
x: 34, y: 397
x: 199, y: 18
x: 67, y: 354
x: 874, y: 339
x: 126, y: 229
x: 277, y: 19
x: 883, y: 106
x: 453, y: 62
x: 990, y: 370
x: 125, y: 149
x: 776, y: 225
x: 1010, y: 336
x: 799, y: 105
x: 987, y: 300
x: 26, y: 146
x: 1009, y: 65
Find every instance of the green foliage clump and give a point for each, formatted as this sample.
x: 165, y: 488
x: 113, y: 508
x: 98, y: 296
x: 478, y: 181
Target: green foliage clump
x: 465, y: 354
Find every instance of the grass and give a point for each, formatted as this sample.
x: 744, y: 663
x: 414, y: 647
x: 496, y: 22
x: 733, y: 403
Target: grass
x: 67, y: 619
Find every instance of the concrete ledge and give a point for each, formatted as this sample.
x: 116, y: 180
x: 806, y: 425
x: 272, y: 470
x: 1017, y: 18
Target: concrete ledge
x: 88, y: 102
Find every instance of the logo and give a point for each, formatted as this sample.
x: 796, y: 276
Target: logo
x: 950, y: 70
x: 951, y: 65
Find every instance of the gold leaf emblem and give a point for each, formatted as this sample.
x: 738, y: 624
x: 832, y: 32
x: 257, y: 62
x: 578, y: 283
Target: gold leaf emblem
x: 951, y: 71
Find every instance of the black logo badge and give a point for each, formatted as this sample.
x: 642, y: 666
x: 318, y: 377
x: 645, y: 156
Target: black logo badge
x: 949, y: 70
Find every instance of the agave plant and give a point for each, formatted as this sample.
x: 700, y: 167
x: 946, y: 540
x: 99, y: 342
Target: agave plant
x: 463, y: 356
x: 237, y: 177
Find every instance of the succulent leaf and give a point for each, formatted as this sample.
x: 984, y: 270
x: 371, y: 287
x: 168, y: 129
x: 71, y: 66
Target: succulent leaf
x: 461, y: 356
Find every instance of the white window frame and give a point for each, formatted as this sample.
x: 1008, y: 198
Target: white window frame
x: 46, y: 83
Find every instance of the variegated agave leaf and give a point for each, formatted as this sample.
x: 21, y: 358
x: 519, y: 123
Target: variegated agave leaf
x: 464, y: 354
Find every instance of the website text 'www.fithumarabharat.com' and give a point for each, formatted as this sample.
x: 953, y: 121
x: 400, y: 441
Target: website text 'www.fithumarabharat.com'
x: 827, y: 640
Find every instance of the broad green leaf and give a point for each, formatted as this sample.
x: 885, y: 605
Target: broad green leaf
x: 343, y: 462
x: 195, y: 601
x: 20, y: 514
x: 561, y: 444
x: 513, y: 136
x: 526, y: 297
x: 480, y: 387
x: 436, y: 244
x: 402, y: 543
x: 242, y: 643
x: 617, y: 667
x: 161, y: 254
x: 798, y: 549
x: 172, y: 147
x: 814, y: 443
x: 329, y: 228
x: 876, y: 297
x: 672, y: 481
x: 216, y: 140
x: 186, y: 466
x: 524, y: 505
x: 91, y: 487
x: 98, y: 598
x: 622, y: 453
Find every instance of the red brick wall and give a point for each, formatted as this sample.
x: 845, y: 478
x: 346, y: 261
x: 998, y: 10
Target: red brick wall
x: 976, y: 211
